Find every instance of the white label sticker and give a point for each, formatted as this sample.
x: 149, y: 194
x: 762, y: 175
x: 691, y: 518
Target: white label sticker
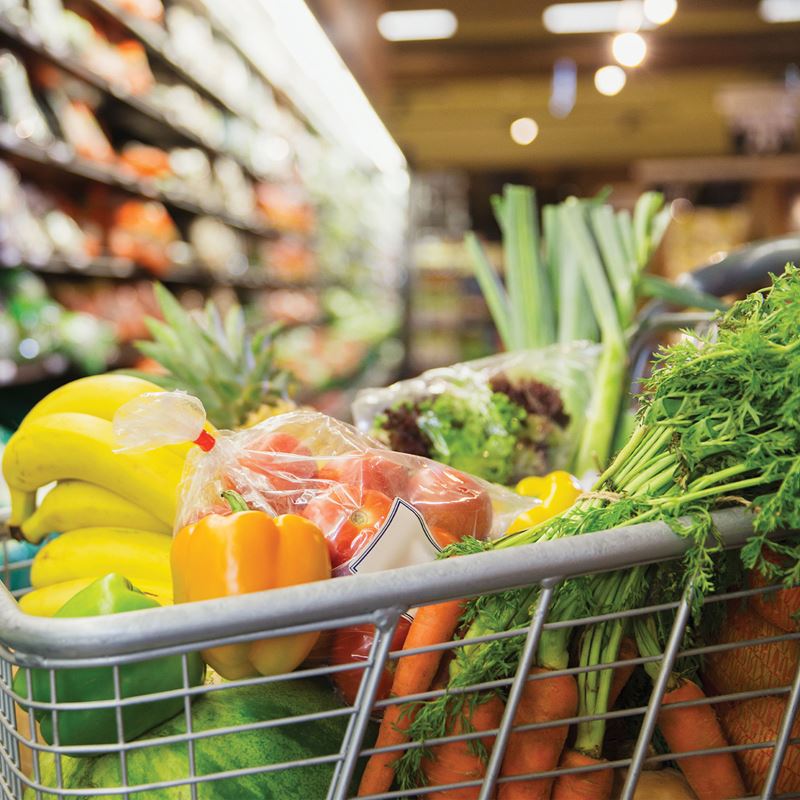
x: 404, y: 540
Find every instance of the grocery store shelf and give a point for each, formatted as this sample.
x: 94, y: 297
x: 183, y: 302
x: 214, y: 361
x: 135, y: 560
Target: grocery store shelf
x: 222, y: 30
x: 31, y: 41
x: 61, y: 156
x: 156, y: 39
x: 57, y: 365
x: 123, y: 269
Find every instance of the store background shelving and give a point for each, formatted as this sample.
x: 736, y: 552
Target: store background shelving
x: 315, y: 212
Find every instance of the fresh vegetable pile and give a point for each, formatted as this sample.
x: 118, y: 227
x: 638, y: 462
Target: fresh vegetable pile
x: 718, y: 426
x: 300, y: 497
x: 580, y: 279
x: 577, y: 279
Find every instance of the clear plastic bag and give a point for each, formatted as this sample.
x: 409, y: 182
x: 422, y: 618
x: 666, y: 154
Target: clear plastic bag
x: 378, y: 509
x: 501, y: 418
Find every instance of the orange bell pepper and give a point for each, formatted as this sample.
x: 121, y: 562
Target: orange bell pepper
x: 249, y: 551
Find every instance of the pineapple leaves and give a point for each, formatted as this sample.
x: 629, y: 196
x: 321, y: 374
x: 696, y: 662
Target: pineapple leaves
x: 214, y: 358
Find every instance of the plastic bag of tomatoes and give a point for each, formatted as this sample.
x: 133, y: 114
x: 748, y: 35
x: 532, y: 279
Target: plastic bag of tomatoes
x: 378, y: 509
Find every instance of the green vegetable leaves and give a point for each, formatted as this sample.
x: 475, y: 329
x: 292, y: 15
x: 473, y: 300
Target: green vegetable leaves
x: 478, y: 440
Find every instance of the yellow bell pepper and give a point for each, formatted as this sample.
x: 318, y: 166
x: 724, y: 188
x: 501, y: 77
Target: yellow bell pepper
x: 248, y: 551
x: 558, y: 491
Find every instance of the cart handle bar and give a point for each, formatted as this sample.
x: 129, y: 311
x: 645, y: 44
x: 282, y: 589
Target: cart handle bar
x: 323, y: 601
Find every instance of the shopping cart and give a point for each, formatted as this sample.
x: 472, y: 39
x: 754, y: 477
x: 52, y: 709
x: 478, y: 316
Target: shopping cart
x: 257, y: 753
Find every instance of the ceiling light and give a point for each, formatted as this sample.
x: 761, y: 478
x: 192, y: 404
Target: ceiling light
x: 524, y: 130
x: 610, y: 80
x: 407, y: 26
x: 660, y: 11
x: 564, y: 88
x: 629, y: 49
x: 779, y: 10
x: 597, y: 17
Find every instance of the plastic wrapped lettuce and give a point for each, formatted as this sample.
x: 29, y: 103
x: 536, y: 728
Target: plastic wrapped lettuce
x: 499, y: 418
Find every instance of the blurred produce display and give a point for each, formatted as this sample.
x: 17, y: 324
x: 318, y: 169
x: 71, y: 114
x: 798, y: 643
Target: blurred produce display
x: 449, y: 320
x: 36, y: 330
x: 140, y: 140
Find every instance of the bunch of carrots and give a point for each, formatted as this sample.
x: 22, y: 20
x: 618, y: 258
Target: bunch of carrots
x: 553, y: 699
x: 713, y: 431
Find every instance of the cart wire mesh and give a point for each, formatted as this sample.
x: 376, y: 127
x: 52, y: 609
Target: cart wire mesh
x: 224, y: 756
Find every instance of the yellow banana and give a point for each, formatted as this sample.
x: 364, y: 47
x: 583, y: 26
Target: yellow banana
x: 100, y: 396
x: 23, y: 504
x: 46, y: 601
x: 94, y: 552
x: 81, y: 447
x: 76, y: 504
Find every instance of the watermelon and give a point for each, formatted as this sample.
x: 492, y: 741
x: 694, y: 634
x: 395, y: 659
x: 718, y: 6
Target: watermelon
x: 228, y: 751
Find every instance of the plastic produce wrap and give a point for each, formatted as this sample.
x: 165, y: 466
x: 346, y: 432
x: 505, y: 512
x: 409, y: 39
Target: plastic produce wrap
x: 500, y: 418
x: 377, y: 509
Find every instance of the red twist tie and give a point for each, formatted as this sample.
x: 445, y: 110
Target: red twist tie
x: 205, y: 441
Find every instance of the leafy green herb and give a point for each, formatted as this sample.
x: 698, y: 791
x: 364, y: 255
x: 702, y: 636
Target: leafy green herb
x: 719, y: 425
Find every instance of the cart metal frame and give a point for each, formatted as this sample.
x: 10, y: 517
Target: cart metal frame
x: 378, y: 599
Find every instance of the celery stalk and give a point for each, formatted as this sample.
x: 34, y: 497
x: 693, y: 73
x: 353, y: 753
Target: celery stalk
x: 532, y: 315
x: 644, y: 214
x: 551, y: 252
x: 625, y: 228
x: 604, y: 408
x: 512, y: 271
x: 620, y: 270
x: 492, y: 287
x: 576, y: 318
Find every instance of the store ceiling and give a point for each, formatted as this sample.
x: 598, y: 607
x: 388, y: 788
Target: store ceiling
x: 449, y: 102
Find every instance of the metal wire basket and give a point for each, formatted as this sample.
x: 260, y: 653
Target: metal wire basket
x: 379, y: 600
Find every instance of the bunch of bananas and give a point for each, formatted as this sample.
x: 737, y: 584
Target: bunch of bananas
x: 114, y: 511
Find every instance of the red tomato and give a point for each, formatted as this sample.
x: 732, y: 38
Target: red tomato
x: 349, y: 518
x: 285, y: 464
x: 443, y: 537
x: 351, y: 645
x: 372, y: 470
x: 452, y: 501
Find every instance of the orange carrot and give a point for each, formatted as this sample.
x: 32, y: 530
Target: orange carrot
x: 712, y: 777
x: 758, y: 720
x: 594, y: 785
x: 544, y: 700
x: 627, y: 651
x: 414, y: 674
x: 454, y: 762
x: 760, y: 666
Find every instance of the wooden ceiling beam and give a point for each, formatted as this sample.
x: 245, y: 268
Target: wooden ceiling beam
x: 425, y: 63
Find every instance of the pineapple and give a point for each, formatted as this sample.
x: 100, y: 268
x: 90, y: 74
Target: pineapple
x: 216, y: 360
